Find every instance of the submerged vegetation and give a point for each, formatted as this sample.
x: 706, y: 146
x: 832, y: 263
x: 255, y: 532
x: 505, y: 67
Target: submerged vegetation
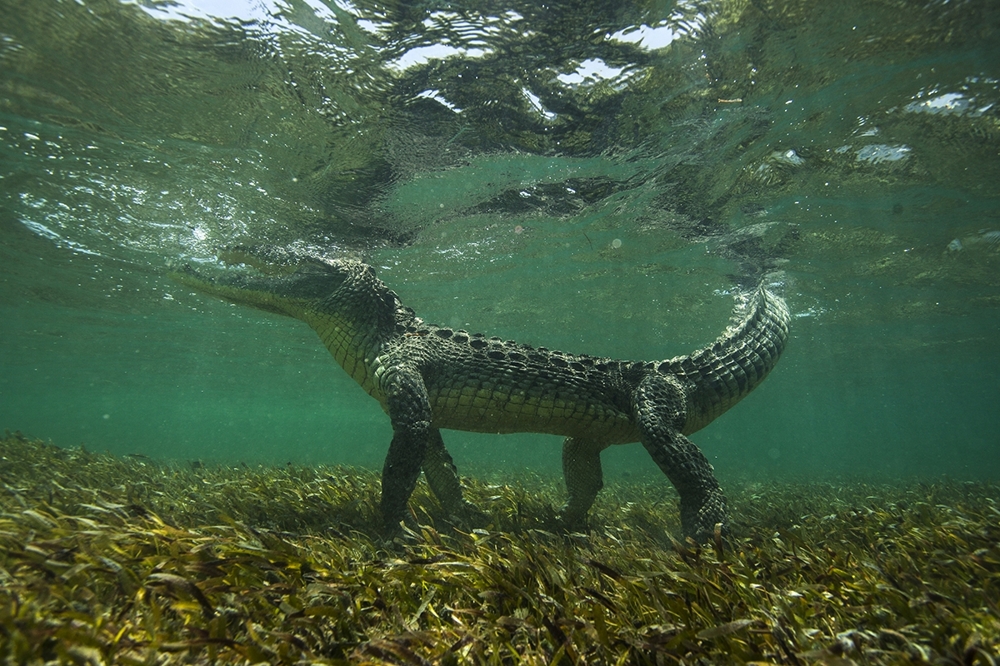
x: 107, y: 560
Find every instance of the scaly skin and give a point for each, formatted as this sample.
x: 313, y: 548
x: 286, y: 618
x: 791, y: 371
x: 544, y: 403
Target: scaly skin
x: 427, y: 378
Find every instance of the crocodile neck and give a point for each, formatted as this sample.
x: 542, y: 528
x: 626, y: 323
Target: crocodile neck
x: 357, y: 321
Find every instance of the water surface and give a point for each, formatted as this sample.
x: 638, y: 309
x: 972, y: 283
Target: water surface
x: 597, y: 177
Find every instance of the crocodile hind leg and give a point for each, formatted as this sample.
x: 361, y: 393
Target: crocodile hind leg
x: 660, y: 409
x: 581, y: 460
x: 442, y: 477
x: 703, y: 504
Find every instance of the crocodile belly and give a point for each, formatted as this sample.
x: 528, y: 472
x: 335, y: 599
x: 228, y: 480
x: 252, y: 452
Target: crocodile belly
x: 490, y: 408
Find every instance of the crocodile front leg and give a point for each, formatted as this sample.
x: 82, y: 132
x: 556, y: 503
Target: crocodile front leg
x: 581, y: 460
x: 410, y: 414
x: 660, y: 413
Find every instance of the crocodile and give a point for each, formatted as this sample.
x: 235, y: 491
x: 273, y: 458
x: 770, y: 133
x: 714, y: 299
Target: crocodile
x: 428, y: 378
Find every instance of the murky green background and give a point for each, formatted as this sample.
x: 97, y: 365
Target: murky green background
x: 591, y: 176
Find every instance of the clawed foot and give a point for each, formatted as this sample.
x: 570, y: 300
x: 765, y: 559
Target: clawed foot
x: 569, y: 520
x: 705, y: 518
x: 468, y: 515
x: 465, y: 516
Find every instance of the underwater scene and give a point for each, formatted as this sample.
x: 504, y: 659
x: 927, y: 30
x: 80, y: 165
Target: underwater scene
x: 743, y: 256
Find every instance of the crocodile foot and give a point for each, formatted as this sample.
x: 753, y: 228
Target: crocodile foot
x: 468, y: 515
x: 700, y: 515
x: 569, y: 520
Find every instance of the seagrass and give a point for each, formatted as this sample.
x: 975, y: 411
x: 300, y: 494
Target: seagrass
x: 128, y: 560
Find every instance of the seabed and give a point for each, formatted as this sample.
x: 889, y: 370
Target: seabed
x: 108, y: 560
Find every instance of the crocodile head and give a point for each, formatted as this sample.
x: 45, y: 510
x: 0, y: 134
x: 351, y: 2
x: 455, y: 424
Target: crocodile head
x: 299, y: 286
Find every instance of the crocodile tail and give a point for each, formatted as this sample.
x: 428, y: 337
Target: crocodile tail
x: 724, y: 372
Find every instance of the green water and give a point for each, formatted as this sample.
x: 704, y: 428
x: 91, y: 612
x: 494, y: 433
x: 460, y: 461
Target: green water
x: 591, y: 176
